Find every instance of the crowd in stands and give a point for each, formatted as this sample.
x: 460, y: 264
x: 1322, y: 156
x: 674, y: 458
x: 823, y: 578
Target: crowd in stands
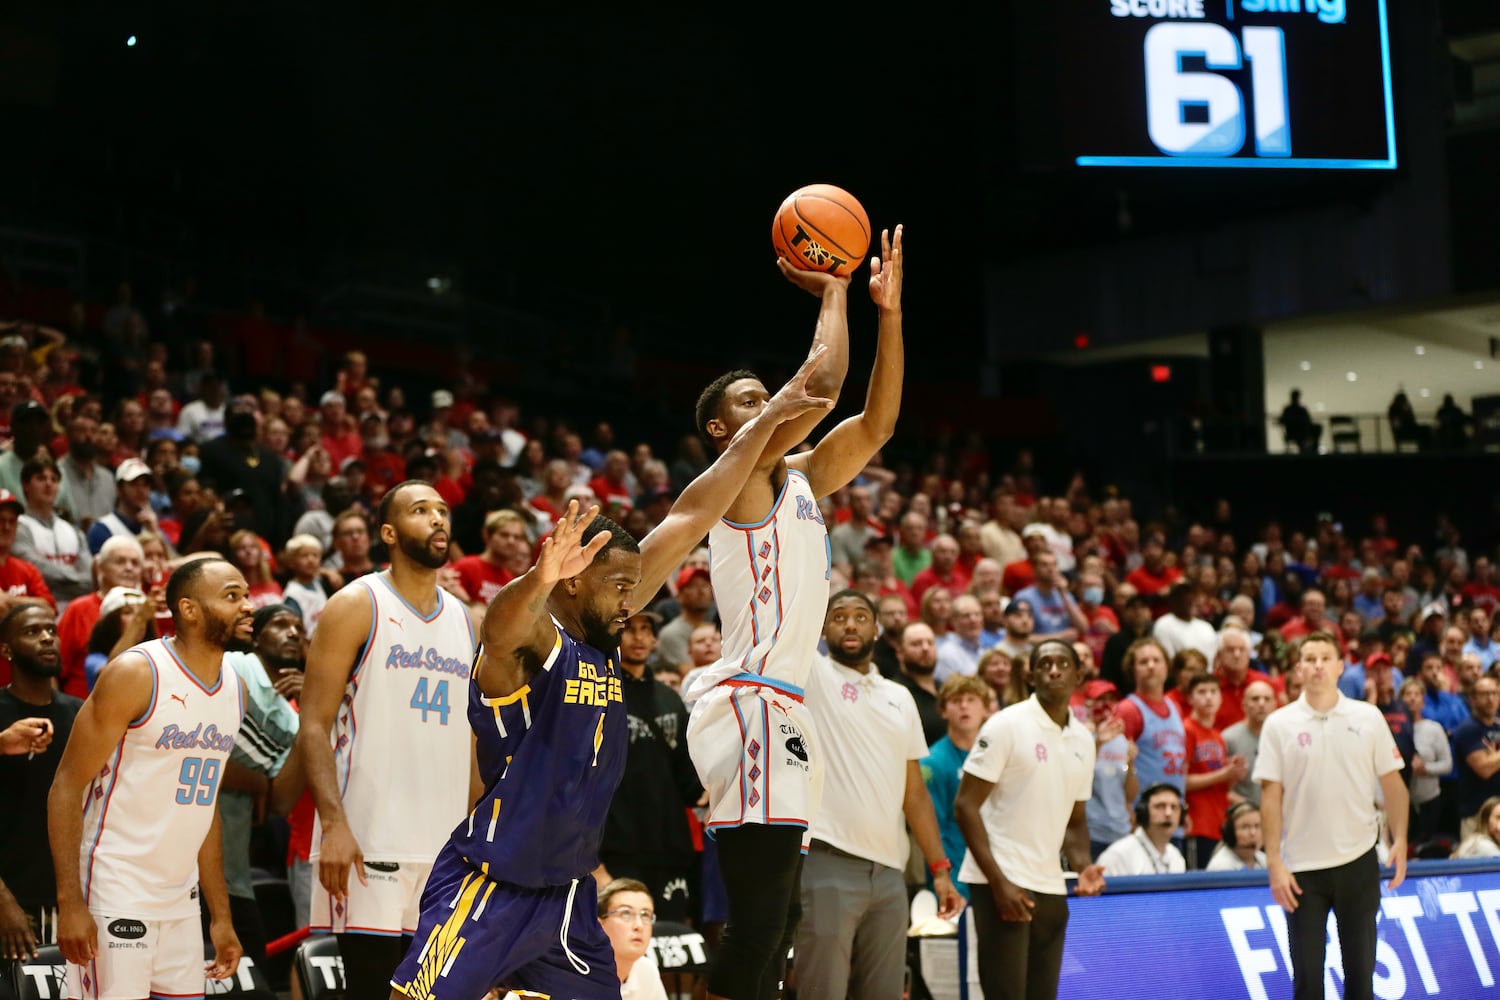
x: 121, y: 457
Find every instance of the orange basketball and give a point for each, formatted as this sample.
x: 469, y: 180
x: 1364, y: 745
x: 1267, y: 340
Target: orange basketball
x: 821, y: 228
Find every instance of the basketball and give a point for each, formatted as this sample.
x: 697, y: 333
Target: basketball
x: 821, y: 228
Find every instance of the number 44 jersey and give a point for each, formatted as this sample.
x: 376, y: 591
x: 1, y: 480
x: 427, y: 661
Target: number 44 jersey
x: 147, y: 811
x: 401, y: 741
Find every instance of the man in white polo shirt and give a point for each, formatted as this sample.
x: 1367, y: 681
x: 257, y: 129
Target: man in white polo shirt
x: 852, y: 938
x: 1021, y: 799
x: 1319, y: 760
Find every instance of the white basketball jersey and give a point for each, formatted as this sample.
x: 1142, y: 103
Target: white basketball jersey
x: 401, y: 739
x: 146, y: 814
x: 771, y: 588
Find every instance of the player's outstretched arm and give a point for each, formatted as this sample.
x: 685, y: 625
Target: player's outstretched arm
x: 518, y: 633
x: 335, y: 649
x: 122, y: 695
x: 832, y: 335
x: 707, y: 498
x: 848, y: 448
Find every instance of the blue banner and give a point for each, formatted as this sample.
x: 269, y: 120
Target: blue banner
x: 1439, y: 937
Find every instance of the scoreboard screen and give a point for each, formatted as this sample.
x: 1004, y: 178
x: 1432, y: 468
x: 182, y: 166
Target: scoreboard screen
x: 1269, y: 84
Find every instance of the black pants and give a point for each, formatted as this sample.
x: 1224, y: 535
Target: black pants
x: 1352, y: 892
x: 1019, y: 960
x: 248, y: 926
x: 762, y: 868
x: 369, y: 962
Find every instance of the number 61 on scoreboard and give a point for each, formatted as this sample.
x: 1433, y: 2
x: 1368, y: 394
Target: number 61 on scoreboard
x: 1191, y: 113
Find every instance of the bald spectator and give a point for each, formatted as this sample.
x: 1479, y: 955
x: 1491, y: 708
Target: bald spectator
x: 918, y: 651
x: 1180, y: 629
x: 1001, y: 534
x: 1056, y: 613
x: 943, y: 571
x: 1232, y: 667
x: 960, y: 649
x: 847, y: 540
x: 987, y: 575
x: 1312, y: 619
x: 120, y: 563
x: 1242, y: 739
x: 1242, y: 607
x: 911, y: 555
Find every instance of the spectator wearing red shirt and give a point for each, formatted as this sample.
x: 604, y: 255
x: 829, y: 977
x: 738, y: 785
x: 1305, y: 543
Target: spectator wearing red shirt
x: 340, y: 437
x: 1152, y: 578
x: 18, y: 578
x: 944, y: 570
x: 1312, y: 619
x: 507, y: 554
x: 1019, y: 575
x: 384, y: 468
x: 874, y: 575
x: 119, y: 564
x: 1232, y: 668
x: 612, y: 485
x: 1101, y: 618
x: 1481, y: 591
x: 1211, y: 771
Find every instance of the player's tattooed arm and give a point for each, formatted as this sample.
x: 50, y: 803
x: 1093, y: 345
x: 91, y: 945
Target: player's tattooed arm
x: 518, y: 633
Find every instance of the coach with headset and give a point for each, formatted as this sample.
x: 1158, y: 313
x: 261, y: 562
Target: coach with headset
x: 1148, y: 850
x: 1240, y: 846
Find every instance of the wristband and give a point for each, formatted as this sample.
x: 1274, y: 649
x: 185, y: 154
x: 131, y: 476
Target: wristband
x: 938, y: 867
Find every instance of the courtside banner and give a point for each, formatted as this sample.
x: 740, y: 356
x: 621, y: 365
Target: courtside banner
x: 1439, y: 937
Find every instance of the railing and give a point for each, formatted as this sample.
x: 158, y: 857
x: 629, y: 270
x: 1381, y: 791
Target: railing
x: 1351, y: 433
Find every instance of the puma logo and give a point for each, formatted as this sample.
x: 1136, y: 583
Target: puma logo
x: 179, y: 699
x: 395, y: 622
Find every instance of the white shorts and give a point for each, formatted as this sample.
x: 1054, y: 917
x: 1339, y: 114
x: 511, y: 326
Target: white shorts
x: 141, y: 958
x: 754, y: 752
x: 389, y: 905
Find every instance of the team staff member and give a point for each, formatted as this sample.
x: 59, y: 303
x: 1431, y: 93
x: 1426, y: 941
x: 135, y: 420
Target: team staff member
x: 1317, y: 758
x: 854, y: 907
x: 1022, y: 798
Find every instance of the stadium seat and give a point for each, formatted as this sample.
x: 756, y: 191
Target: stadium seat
x: 319, y: 968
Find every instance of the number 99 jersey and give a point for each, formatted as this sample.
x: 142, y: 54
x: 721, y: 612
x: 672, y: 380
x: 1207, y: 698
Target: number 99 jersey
x: 400, y: 745
x: 151, y: 805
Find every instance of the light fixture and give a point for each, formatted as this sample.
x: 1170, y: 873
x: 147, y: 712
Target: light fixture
x: 1319, y: 407
x: 130, y: 41
x: 1306, y: 366
x: 1421, y: 349
x: 1479, y: 366
x: 1351, y: 377
x: 1424, y: 393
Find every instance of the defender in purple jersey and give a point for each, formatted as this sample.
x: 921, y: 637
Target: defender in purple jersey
x: 511, y: 901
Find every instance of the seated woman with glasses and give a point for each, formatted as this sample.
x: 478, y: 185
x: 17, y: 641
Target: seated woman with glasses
x: 627, y: 913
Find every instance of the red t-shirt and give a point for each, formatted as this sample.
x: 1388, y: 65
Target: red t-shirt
x: 21, y: 579
x: 1149, y: 584
x: 956, y: 583
x: 1206, y: 754
x: 1232, y: 709
x: 481, y: 581
x: 1017, y: 576
x: 341, y: 446
x: 383, y: 469
x: 73, y: 630
x: 610, y: 492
